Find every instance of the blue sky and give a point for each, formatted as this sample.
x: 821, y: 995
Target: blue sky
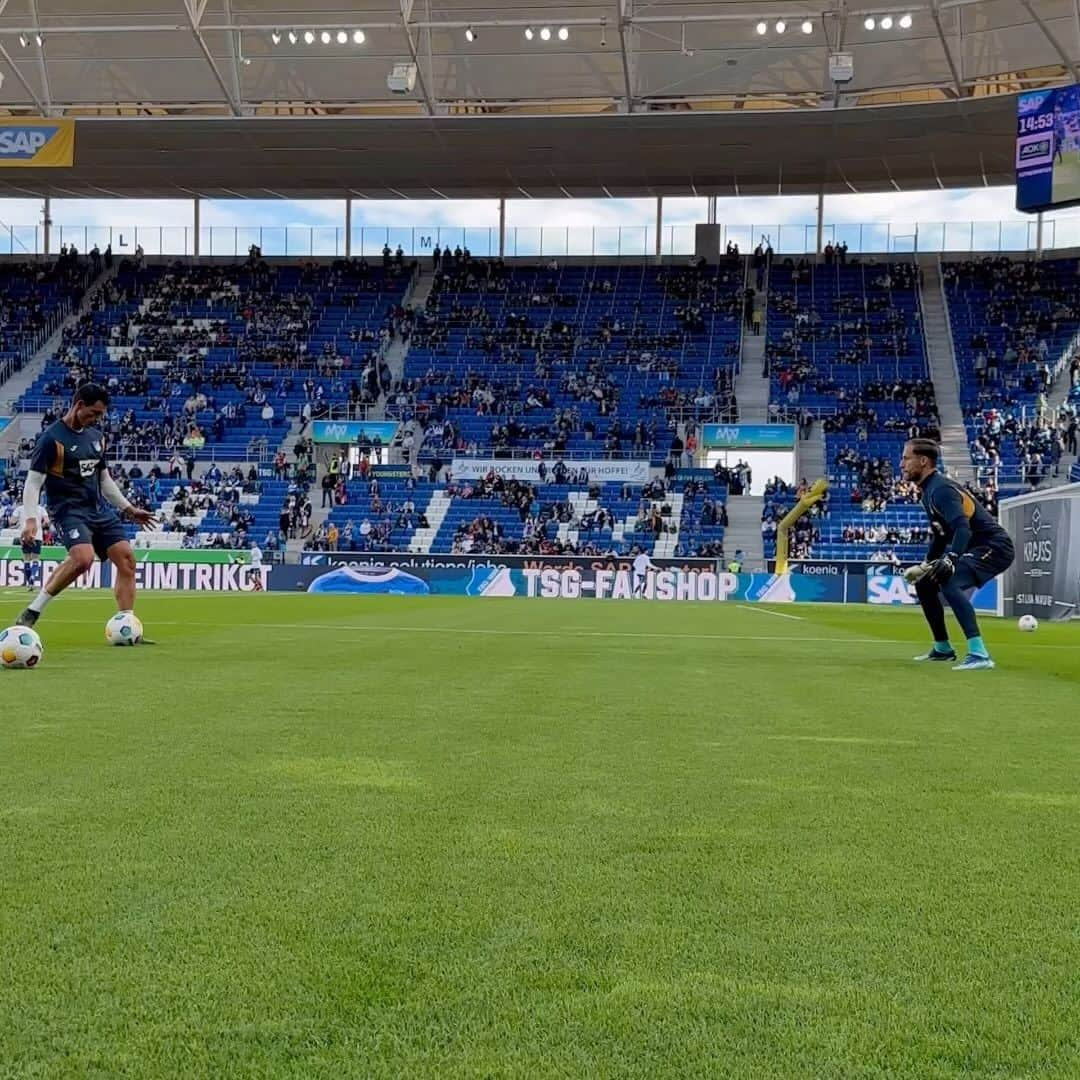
x: 165, y: 220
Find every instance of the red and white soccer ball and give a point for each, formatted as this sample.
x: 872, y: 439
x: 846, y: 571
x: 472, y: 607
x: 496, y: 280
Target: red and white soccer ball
x: 124, y: 628
x: 20, y: 647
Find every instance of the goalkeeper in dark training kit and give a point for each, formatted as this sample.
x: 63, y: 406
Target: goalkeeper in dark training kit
x: 968, y: 548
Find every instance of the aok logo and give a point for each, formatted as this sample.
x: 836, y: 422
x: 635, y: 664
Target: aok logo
x: 1040, y: 148
x: 24, y: 142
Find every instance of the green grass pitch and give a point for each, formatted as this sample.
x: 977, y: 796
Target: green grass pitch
x: 343, y: 837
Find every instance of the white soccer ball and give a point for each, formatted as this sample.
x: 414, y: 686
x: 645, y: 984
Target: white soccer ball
x: 123, y: 628
x: 1028, y: 623
x: 20, y: 647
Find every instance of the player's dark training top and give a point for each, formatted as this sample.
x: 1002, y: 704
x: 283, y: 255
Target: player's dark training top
x: 959, y: 521
x: 72, y: 462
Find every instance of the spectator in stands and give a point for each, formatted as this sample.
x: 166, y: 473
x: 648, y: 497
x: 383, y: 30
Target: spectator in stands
x: 329, y: 483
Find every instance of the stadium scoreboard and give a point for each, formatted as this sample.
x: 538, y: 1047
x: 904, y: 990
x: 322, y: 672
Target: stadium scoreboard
x: 1048, y: 149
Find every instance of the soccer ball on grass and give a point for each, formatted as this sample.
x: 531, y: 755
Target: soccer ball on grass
x: 123, y: 628
x: 20, y: 647
x: 1028, y: 623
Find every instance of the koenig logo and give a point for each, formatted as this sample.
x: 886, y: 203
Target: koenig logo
x: 23, y: 143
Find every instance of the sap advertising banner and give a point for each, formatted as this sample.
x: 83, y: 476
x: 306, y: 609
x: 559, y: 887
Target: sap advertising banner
x: 1044, y: 581
x: 600, y: 470
x: 884, y: 588
x: 29, y: 142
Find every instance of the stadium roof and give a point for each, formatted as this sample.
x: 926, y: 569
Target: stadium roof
x: 642, y: 98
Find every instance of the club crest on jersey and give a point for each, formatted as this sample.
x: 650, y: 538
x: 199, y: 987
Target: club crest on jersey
x: 97, y: 448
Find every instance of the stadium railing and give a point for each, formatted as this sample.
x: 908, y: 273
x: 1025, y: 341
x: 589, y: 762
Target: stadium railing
x: 629, y: 241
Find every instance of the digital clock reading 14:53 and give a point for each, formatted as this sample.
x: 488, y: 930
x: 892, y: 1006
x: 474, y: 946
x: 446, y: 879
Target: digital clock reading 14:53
x: 1036, y: 123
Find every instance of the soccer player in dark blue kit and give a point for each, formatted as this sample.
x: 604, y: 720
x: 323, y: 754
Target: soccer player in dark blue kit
x: 69, y: 463
x: 968, y: 548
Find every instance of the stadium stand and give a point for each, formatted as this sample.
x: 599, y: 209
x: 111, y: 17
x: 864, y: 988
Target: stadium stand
x: 845, y: 346
x: 229, y: 509
x: 34, y: 298
x: 581, y: 360
x: 1014, y: 326
x: 209, y: 362
x: 495, y: 515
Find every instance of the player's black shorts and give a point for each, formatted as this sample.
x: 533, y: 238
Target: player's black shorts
x: 31, y: 550
x: 979, y: 564
x: 101, y: 528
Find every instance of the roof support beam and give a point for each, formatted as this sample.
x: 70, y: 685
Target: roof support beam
x: 425, y: 90
x: 957, y: 84
x: 38, y: 103
x: 46, y: 95
x: 234, y: 54
x: 1052, y: 39
x: 627, y: 52
x: 841, y: 30
x: 195, y: 10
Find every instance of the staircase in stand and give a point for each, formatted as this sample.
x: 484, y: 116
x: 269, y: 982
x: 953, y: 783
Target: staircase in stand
x: 810, y: 461
x: 667, y: 542
x: 415, y: 297
x: 1058, y: 396
x: 743, y: 532
x: 422, y: 539
x: 751, y: 384
x: 956, y: 450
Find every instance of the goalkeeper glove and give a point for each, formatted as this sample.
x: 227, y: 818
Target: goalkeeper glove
x: 916, y: 573
x: 942, y: 570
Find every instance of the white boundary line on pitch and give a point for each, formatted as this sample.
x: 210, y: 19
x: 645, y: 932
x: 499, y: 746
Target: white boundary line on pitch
x: 493, y: 632
x: 766, y: 611
x: 563, y: 632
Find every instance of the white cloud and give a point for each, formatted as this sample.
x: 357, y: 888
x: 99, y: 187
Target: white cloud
x: 408, y: 213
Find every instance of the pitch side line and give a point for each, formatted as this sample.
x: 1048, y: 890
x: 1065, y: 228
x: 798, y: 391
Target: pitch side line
x: 766, y: 611
x: 492, y: 632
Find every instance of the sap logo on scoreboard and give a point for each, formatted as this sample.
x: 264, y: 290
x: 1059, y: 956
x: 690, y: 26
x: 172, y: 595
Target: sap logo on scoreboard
x: 1030, y: 103
x: 23, y: 143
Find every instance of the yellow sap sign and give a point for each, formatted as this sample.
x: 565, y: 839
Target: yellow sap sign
x: 37, y: 143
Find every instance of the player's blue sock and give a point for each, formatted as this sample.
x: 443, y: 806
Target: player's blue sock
x: 943, y: 646
x: 976, y: 647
